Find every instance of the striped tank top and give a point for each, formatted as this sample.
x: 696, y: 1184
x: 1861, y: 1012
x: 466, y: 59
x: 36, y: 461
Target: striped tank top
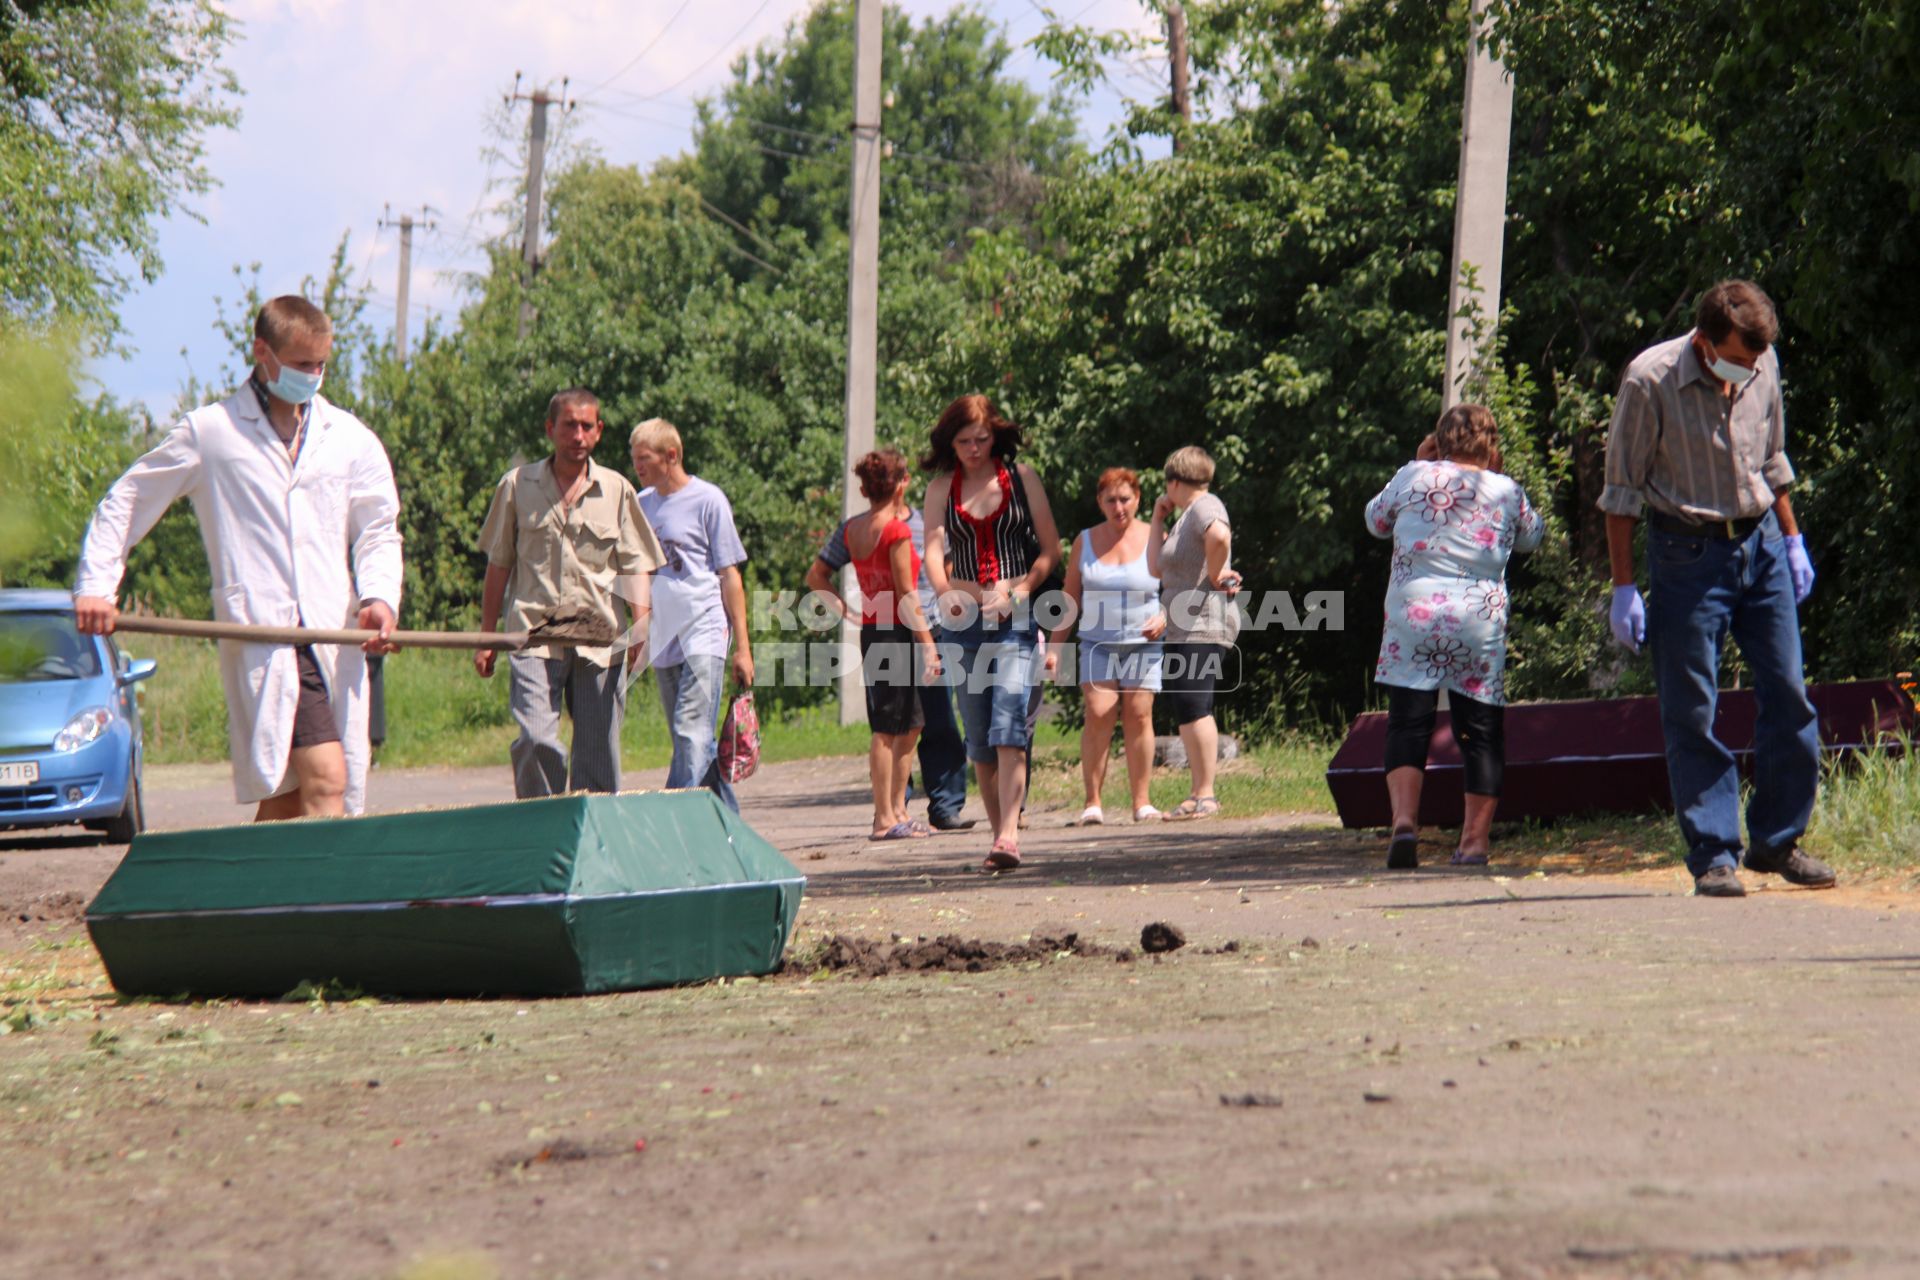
x: 996, y: 548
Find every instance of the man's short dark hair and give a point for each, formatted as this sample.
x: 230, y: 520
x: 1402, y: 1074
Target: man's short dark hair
x: 287, y: 316
x: 572, y: 398
x: 1737, y: 306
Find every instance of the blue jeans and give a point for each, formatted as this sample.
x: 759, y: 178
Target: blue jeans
x: 1704, y: 589
x: 998, y: 679
x: 943, y: 756
x: 690, y: 695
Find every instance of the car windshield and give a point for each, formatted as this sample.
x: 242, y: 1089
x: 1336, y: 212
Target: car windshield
x: 44, y: 646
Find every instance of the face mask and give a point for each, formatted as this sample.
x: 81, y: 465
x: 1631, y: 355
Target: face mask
x: 1727, y: 371
x: 295, y: 386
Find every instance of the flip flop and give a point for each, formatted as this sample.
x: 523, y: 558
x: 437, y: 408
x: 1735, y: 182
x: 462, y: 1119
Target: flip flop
x: 1004, y: 857
x: 1460, y: 859
x: 920, y: 829
x: 1091, y: 816
x: 1403, y: 851
x: 1147, y: 813
x: 898, y: 831
x: 1195, y: 807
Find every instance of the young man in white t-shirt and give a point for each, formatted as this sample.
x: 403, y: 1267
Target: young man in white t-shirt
x: 699, y: 603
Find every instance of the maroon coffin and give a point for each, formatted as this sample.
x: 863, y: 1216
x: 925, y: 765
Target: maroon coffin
x: 1602, y: 755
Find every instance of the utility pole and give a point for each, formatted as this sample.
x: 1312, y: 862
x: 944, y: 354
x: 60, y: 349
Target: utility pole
x: 863, y: 309
x: 1177, y: 60
x: 536, y: 173
x: 1480, y: 206
x: 406, y: 225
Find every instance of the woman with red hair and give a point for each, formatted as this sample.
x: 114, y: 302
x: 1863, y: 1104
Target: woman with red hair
x: 991, y: 542
x: 1120, y: 620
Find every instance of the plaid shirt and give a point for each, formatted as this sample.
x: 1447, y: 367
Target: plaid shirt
x: 1681, y: 446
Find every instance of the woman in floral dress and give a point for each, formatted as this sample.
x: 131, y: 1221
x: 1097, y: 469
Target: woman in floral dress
x: 1454, y: 520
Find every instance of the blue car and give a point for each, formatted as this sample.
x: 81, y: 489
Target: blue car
x: 69, y: 721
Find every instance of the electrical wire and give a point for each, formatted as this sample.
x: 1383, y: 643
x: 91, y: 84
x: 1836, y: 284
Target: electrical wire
x: 644, y: 51
x: 725, y: 47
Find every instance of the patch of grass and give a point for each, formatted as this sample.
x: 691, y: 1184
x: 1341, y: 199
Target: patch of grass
x: 439, y: 713
x: 1867, y: 819
x: 1287, y: 776
x: 182, y: 707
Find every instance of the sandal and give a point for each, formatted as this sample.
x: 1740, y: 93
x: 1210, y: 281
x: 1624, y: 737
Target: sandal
x: 1091, y: 816
x: 1460, y: 859
x: 898, y: 831
x: 1196, y: 807
x: 918, y: 829
x: 1004, y: 857
x: 1147, y: 813
x: 1403, y: 851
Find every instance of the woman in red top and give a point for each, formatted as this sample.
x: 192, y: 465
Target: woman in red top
x: 881, y: 550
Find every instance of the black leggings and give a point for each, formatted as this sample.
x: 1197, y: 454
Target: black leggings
x: 1479, y: 728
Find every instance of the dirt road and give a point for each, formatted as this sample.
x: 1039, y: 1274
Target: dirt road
x: 1452, y: 1073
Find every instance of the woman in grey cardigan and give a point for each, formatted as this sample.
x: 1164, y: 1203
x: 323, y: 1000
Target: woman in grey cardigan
x: 1196, y: 591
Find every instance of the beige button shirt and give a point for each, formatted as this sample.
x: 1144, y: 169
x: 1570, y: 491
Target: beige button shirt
x: 567, y: 558
x: 1680, y: 446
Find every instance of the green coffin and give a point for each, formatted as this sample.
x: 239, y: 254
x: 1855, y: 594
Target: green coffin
x: 561, y: 896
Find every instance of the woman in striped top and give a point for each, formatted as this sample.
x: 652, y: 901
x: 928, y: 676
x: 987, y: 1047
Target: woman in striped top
x: 991, y: 542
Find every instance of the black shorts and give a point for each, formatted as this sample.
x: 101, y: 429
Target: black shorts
x: 313, y: 722
x: 887, y: 667
x: 1187, y: 678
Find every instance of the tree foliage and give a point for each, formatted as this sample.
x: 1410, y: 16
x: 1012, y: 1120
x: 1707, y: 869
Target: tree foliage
x: 1275, y: 292
x: 970, y: 146
x: 104, y: 110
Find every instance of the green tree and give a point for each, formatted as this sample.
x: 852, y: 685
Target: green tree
x: 104, y: 110
x: 971, y: 145
x: 1275, y: 293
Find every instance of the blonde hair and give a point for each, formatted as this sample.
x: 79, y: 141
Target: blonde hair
x: 1191, y: 465
x: 659, y: 435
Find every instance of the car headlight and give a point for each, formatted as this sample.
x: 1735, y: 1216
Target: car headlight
x: 82, y: 729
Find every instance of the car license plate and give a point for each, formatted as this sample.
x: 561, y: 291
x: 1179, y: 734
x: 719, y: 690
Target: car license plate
x: 19, y: 773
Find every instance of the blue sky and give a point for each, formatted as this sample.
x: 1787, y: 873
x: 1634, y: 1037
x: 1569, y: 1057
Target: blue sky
x: 353, y: 105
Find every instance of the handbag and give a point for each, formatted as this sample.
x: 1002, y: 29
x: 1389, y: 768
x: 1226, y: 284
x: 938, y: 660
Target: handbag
x: 740, y: 740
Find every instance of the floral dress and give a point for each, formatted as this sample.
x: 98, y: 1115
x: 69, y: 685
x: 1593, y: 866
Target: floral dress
x: 1453, y: 529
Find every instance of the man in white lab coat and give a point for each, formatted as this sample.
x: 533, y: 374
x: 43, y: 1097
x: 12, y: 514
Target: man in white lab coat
x: 288, y: 489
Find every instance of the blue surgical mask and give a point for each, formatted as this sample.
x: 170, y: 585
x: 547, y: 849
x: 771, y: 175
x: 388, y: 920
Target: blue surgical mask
x: 1727, y: 371
x: 295, y: 386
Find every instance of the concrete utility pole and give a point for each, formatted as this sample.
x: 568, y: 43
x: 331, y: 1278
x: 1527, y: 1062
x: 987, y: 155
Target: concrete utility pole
x: 1480, y: 207
x: 863, y: 311
x: 1177, y: 59
x: 536, y: 172
x: 406, y: 225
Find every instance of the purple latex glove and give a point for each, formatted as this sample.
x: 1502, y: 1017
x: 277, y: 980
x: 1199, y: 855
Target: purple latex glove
x: 1799, y: 567
x: 1628, y: 617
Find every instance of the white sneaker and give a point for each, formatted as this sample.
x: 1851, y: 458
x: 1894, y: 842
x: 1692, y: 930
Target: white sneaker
x: 1091, y: 816
x: 1147, y: 813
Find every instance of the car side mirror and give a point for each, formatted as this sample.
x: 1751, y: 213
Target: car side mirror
x: 138, y: 669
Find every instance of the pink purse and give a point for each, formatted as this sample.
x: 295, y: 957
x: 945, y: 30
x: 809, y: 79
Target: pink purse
x: 740, y: 740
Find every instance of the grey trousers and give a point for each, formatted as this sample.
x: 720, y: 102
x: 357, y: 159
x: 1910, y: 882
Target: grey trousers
x: 594, y: 695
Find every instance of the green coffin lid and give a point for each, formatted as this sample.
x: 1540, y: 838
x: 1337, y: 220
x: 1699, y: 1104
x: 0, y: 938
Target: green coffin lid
x: 570, y: 894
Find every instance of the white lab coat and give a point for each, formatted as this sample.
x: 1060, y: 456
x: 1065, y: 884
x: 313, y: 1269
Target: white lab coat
x: 279, y: 535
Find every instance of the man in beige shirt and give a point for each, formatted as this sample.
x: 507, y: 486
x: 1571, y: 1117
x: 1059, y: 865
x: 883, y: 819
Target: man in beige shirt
x: 1698, y: 449
x: 564, y: 536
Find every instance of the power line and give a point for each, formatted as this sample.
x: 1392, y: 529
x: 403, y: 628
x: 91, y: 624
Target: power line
x: 366, y: 269
x: 742, y: 228
x: 708, y: 60
x: 645, y: 50
x: 894, y: 152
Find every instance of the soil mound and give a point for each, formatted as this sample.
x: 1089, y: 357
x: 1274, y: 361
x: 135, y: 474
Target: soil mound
x: 947, y: 953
